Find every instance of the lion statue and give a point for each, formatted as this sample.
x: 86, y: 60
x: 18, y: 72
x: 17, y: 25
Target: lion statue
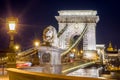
x: 50, y: 36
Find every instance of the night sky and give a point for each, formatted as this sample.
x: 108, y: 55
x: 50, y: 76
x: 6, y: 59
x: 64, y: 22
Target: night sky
x: 35, y: 15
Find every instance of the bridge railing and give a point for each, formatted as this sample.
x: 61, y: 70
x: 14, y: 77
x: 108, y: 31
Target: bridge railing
x: 26, y: 52
x: 16, y: 74
x: 3, y: 60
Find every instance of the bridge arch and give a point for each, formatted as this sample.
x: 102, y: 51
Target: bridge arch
x: 76, y: 20
x: 73, y: 38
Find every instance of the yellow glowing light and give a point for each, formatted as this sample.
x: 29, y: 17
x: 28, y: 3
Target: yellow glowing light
x: 36, y: 43
x: 12, y: 25
x: 74, y: 50
x: 17, y: 47
x: 81, y: 51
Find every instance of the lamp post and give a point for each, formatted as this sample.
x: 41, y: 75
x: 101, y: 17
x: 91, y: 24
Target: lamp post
x: 11, y: 24
x: 11, y: 55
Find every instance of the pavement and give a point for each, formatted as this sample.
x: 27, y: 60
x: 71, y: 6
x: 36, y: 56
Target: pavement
x: 4, y: 77
x: 3, y: 74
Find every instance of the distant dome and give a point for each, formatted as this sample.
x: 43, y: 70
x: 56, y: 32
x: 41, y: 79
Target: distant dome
x: 110, y: 48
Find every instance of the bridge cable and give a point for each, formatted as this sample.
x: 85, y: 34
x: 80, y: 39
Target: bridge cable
x: 77, y: 41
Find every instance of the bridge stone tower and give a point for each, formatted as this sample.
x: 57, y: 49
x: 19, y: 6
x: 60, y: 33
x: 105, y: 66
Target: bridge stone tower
x: 75, y: 20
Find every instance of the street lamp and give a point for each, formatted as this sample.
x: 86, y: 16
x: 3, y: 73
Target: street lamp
x: 17, y: 48
x: 81, y: 51
x: 74, y: 50
x: 11, y: 24
x: 37, y: 43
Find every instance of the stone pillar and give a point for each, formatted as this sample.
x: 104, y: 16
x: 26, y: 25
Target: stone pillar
x: 11, y: 60
x: 89, y: 39
x: 50, y: 59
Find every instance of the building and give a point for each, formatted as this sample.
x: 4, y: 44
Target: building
x: 111, y: 52
x: 113, y: 58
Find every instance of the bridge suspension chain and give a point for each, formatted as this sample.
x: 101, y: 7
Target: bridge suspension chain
x: 63, y: 30
x: 77, y: 41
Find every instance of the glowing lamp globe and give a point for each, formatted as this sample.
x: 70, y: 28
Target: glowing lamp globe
x: 17, y: 47
x: 12, y: 25
x: 37, y: 43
